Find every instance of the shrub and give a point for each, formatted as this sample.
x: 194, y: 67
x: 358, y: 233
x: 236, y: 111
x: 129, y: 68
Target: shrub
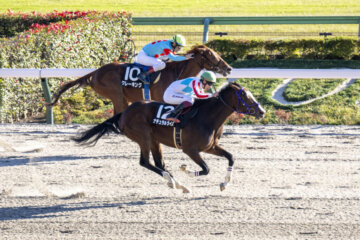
x: 312, y: 49
x: 335, y: 48
x: 341, y: 48
x: 88, y: 42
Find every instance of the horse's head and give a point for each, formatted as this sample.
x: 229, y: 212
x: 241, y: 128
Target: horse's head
x: 207, y: 58
x: 241, y: 100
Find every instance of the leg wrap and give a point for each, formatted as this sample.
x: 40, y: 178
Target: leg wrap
x: 228, y: 174
x: 166, y: 175
x: 193, y: 173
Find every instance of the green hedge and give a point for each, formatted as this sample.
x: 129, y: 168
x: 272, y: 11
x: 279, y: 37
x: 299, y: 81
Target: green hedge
x: 88, y: 42
x: 331, y: 48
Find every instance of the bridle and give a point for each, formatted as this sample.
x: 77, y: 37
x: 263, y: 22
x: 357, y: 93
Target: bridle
x: 214, y: 67
x: 248, y: 111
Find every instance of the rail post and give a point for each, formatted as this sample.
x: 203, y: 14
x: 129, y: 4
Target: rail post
x: 206, y: 29
x: 47, y: 96
x: 359, y: 29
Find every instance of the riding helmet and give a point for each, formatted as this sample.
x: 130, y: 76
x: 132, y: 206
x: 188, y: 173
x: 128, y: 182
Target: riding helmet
x: 209, y: 76
x: 179, y: 40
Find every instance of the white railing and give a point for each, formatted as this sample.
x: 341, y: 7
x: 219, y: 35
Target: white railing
x: 236, y: 73
x: 44, y: 73
x: 293, y: 73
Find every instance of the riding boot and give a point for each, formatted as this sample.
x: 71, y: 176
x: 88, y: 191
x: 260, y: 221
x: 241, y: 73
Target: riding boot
x: 143, y: 76
x: 174, y: 114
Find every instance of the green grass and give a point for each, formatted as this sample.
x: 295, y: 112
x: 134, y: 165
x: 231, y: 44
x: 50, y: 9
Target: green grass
x: 158, y: 8
x: 337, y: 109
x: 296, y: 63
x: 194, y: 7
x: 305, y: 89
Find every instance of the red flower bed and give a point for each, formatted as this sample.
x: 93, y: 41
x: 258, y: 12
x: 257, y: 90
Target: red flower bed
x: 12, y: 23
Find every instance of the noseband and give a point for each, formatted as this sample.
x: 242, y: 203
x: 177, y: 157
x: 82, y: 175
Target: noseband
x: 240, y: 99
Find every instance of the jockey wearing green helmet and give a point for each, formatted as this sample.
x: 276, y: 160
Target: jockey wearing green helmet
x: 156, y: 53
x: 183, y: 93
x: 179, y: 40
x: 209, y: 77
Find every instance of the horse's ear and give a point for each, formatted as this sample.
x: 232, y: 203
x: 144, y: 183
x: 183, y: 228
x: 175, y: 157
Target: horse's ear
x: 235, y: 84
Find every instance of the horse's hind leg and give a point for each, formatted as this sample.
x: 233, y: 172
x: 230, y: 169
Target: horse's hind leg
x: 120, y: 104
x: 144, y: 161
x: 157, y: 155
x: 219, y: 151
x: 159, y: 162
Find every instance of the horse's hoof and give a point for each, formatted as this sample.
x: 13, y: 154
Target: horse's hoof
x: 227, y: 179
x: 183, y: 167
x: 222, y: 186
x: 171, y: 185
x: 185, y: 190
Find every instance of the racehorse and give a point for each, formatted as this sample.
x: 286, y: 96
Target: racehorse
x: 107, y: 80
x: 200, y: 134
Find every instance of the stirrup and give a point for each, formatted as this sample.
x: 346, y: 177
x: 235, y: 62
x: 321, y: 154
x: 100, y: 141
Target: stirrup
x: 173, y: 119
x: 143, y: 77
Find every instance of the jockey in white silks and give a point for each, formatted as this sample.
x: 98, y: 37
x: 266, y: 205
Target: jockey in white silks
x: 185, y: 91
x: 155, y: 55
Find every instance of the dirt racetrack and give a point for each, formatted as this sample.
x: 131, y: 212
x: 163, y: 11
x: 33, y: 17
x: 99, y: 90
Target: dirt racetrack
x: 289, y: 182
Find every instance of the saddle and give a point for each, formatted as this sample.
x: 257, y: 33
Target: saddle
x: 164, y: 109
x: 186, y: 116
x: 130, y: 77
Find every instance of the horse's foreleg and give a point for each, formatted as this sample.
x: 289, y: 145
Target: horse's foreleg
x: 227, y: 179
x: 195, y: 156
x: 218, y: 151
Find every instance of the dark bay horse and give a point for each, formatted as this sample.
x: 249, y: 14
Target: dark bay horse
x: 106, y: 81
x: 200, y: 134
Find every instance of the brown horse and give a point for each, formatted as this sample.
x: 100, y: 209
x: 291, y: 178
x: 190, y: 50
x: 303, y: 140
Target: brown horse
x: 106, y: 80
x: 200, y: 134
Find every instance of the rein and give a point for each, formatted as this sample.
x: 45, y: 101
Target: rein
x: 240, y: 99
x: 177, y: 76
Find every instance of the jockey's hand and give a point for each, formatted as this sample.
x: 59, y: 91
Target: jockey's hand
x: 190, y: 55
x: 215, y: 94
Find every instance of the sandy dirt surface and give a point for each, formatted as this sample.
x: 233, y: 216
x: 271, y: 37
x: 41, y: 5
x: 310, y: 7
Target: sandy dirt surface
x: 289, y: 182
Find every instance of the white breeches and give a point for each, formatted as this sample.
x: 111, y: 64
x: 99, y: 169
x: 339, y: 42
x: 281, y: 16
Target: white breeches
x: 171, y: 97
x: 146, y: 60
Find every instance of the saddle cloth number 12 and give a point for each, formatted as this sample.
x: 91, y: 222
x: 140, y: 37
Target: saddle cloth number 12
x: 163, y: 111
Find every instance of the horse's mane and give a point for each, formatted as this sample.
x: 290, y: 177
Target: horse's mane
x: 195, y: 49
x: 225, y: 87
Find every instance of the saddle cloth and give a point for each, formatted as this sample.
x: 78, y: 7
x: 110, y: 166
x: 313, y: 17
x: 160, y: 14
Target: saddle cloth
x: 164, y: 109
x: 130, y: 77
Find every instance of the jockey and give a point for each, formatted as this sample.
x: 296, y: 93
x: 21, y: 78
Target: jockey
x: 184, y: 92
x: 156, y: 53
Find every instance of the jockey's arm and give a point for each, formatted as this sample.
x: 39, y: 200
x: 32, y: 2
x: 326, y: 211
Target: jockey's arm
x: 198, y: 92
x: 174, y: 57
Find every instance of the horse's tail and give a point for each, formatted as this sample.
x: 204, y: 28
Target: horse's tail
x: 80, y: 82
x: 91, y: 136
